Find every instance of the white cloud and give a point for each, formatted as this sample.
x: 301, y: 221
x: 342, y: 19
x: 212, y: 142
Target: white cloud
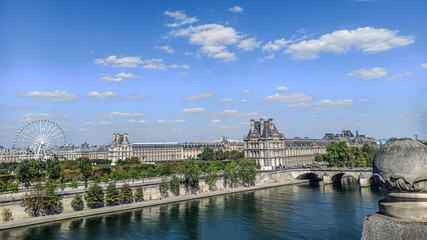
x: 104, y: 95
x: 225, y: 100
x: 193, y: 110
x: 135, y: 121
x: 215, y: 121
x: 328, y: 104
x: 282, y: 88
x: 184, y: 74
x: 136, y: 96
x: 424, y: 65
x: 366, y: 100
x: 154, y: 63
x: 298, y: 105
x: 363, y: 115
x: 275, y: 45
x: 120, y: 115
x: 197, y: 54
x: 249, y: 44
x: 246, y: 91
x: 368, y: 74
x: 119, y: 77
x: 400, y: 75
x: 120, y: 62
x: 170, y: 121
x: 365, y: 39
x: 263, y: 59
x: 236, y: 9
x: 54, y: 96
x: 104, y: 123
x: 193, y: 97
x: 37, y: 116
x: 180, y: 19
x: 244, y: 101
x: 237, y: 114
x: 293, y: 97
x: 179, y: 66
x: 165, y: 48
x: 213, y: 38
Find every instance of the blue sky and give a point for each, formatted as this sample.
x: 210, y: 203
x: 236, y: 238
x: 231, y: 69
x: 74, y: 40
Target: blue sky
x: 198, y: 70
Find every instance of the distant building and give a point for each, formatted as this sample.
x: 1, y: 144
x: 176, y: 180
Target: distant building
x: 351, y: 140
x: 269, y: 148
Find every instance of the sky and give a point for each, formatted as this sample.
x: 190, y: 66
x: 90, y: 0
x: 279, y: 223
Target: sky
x: 185, y: 71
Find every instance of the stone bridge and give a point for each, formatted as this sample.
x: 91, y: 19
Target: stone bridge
x: 322, y: 175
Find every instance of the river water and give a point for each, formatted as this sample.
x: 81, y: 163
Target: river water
x: 304, y: 211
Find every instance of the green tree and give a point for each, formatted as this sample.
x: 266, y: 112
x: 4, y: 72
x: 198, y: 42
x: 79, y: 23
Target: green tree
x: 191, y: 172
x: 115, y: 175
x: 85, y: 167
x: 134, y: 175
x: 12, y: 187
x: 112, y: 195
x: 95, y: 196
x: 207, y: 154
x: 97, y: 178
x: 369, y: 154
x: 34, y: 202
x: 27, y: 172
x: 319, y: 158
x: 337, y: 154
x: 53, y: 168
x: 51, y: 202
x: 77, y: 203
x: 231, y: 173
x: 212, y: 175
x: 247, y: 171
x: 73, y: 184
x: 2, y: 186
x: 175, y: 182
x: 139, y: 194
x: 126, y: 195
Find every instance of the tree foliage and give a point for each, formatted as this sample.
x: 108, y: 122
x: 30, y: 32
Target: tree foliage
x: 95, y: 196
x: 247, y: 171
x: 112, y: 195
x: 337, y: 154
x: 207, y: 154
x: 51, y: 202
x: 77, y: 203
x: 175, y: 182
x: 191, y: 171
x: 126, y: 195
x: 34, y: 202
x: 139, y: 194
x: 28, y: 172
x: 54, y: 168
x: 6, y: 214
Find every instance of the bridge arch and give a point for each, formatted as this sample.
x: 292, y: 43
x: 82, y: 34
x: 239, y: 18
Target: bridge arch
x: 339, y: 176
x: 309, y: 176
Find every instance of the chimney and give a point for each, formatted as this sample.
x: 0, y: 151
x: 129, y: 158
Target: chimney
x: 125, y: 138
x: 270, y: 124
x: 252, y: 125
x: 261, y: 126
x: 114, y: 138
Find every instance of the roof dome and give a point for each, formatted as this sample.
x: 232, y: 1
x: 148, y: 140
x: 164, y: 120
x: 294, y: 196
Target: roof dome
x: 401, y: 165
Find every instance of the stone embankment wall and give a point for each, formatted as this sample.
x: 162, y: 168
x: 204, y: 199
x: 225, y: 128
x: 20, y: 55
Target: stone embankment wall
x: 150, y: 188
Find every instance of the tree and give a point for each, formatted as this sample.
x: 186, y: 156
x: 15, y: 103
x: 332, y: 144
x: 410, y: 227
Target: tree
x: 77, y: 204
x: 34, y: 202
x: 85, y: 167
x: 212, y: 175
x: 73, y: 184
x: 175, y: 182
x: 95, y: 196
x: 115, y: 175
x: 6, y: 214
x: 247, y: 171
x: 139, y: 194
x: 112, y: 195
x: 337, y: 154
x: 2, y: 186
x: 231, y: 173
x: 191, y: 172
x: 27, y: 172
x: 128, y: 161
x: 134, y: 175
x: 369, y: 154
x: 319, y: 158
x: 51, y: 202
x: 53, y: 168
x: 126, y: 194
x: 207, y: 154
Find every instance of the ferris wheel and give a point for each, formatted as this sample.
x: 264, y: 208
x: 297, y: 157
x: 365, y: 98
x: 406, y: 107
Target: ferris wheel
x: 40, y: 140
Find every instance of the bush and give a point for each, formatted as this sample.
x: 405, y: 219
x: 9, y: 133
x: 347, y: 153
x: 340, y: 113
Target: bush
x: 51, y: 202
x: 126, y: 194
x: 112, y: 195
x: 69, y: 175
x: 139, y: 194
x: 6, y: 214
x: 2, y: 186
x: 95, y: 196
x: 12, y: 187
x: 77, y: 204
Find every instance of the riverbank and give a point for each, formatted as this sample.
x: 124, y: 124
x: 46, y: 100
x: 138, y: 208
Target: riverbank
x: 126, y: 207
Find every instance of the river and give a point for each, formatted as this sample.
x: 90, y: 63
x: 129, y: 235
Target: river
x: 304, y: 211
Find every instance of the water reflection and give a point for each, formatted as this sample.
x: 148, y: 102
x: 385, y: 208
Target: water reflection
x: 308, y: 211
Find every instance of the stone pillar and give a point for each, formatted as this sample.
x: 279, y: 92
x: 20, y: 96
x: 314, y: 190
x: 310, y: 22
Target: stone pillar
x: 400, y: 170
x: 326, y: 179
x: 261, y: 126
x: 365, y: 179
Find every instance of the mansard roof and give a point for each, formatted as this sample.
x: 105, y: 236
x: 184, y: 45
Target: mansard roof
x: 267, y: 131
